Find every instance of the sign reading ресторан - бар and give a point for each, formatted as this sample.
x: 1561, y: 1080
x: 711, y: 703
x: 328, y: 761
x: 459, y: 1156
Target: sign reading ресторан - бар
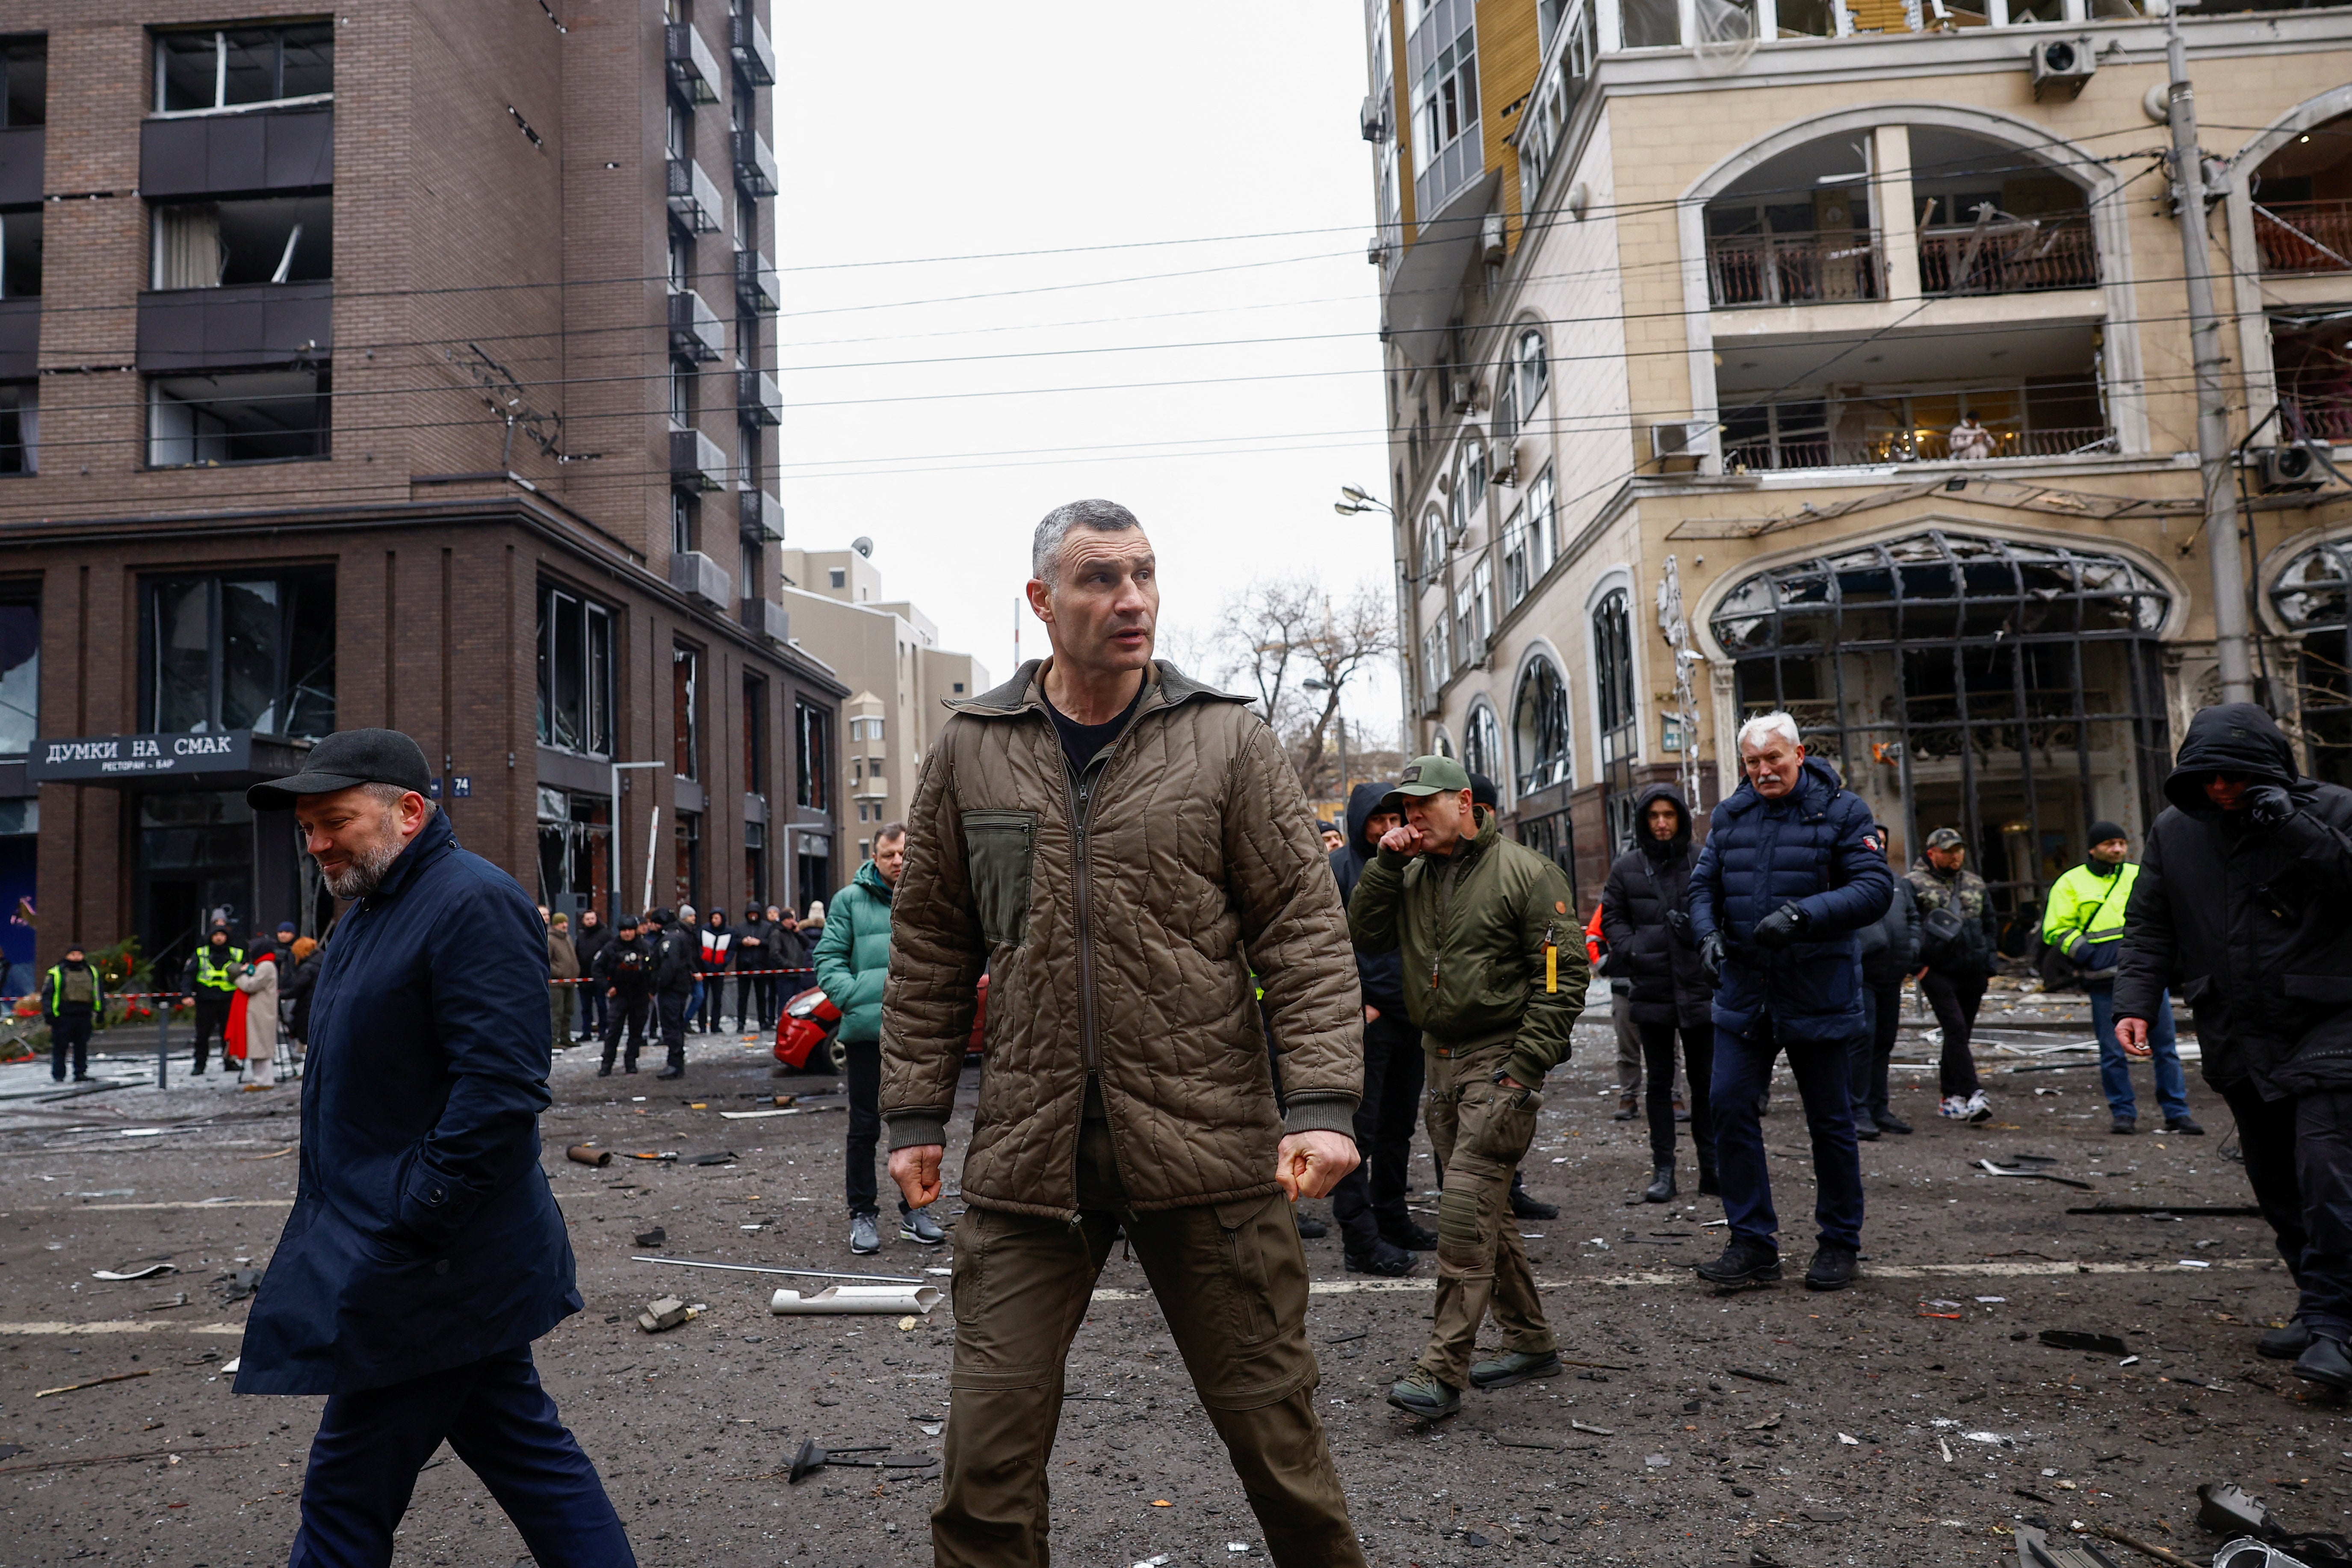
x: 133, y: 756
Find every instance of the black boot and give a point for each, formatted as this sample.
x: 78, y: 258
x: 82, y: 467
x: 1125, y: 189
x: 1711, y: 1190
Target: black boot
x: 1525, y: 1208
x: 1709, y: 1185
x: 2324, y: 1362
x: 1662, y: 1185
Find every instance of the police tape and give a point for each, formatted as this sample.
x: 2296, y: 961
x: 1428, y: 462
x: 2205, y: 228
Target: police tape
x: 706, y: 975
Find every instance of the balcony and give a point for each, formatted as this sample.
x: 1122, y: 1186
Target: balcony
x: 2015, y: 256
x: 1766, y: 455
x: 696, y: 462
x: 22, y: 151
x: 755, y: 165
x: 698, y: 576
x: 245, y: 325
x: 767, y: 619
x: 755, y: 57
x: 2303, y: 236
x: 20, y: 339
x: 1794, y: 268
x: 755, y: 283
x: 761, y: 517
x: 694, y: 198
x: 694, y: 330
x: 693, y: 68
x: 229, y: 154
x: 757, y: 399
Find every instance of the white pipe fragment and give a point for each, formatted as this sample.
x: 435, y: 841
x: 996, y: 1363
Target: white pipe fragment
x: 877, y: 1299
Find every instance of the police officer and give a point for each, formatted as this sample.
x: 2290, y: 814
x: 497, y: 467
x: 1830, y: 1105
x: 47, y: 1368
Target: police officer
x: 2085, y: 922
x: 623, y: 975
x: 677, y: 972
x: 212, y: 979
x: 73, y: 996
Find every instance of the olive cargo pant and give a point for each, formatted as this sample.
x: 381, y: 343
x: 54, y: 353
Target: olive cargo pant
x: 1231, y: 1280
x: 1479, y: 1130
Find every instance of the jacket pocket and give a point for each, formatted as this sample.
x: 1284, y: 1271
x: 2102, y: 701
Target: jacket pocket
x: 1001, y: 852
x: 2330, y: 988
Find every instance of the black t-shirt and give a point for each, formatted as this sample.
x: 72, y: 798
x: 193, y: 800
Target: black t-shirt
x: 1082, y: 742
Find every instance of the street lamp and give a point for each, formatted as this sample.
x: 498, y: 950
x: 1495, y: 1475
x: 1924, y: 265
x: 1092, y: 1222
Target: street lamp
x: 1356, y: 498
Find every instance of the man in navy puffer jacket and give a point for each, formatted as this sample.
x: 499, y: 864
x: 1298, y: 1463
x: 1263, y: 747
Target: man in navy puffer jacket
x: 1792, y: 869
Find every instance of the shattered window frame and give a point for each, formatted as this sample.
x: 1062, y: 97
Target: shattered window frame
x: 2312, y: 595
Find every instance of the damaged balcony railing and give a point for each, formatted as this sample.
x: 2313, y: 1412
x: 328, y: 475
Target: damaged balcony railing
x: 1794, y: 268
x: 2303, y: 236
x: 1909, y: 446
x: 2000, y: 255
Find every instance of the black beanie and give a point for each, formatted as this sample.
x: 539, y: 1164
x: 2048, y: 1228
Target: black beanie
x: 2103, y: 831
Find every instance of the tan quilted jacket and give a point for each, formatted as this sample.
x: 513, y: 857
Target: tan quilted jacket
x: 1127, y: 947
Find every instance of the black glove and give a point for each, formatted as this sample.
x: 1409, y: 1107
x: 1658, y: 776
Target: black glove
x: 1678, y: 926
x: 2268, y: 807
x: 1782, y: 927
x: 1710, y: 953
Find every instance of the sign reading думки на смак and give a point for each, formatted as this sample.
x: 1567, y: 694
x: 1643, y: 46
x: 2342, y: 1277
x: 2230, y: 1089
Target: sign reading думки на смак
x: 131, y: 756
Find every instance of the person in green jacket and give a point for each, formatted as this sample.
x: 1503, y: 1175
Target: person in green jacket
x: 1494, y: 975
x: 853, y: 961
x: 2086, y: 922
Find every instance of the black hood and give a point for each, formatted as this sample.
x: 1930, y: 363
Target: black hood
x: 2232, y: 737
x: 1642, y: 804
x: 1362, y: 801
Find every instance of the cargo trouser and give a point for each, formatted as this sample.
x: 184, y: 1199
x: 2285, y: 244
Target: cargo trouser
x: 1230, y: 1280
x: 1479, y: 1130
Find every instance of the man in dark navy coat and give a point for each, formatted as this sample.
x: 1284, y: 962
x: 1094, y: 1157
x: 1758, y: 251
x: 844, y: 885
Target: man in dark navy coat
x: 424, y: 1252
x: 1793, y: 868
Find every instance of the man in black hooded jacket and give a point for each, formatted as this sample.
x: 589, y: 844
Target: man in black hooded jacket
x: 1376, y: 1235
x: 2241, y: 903
x: 1650, y: 943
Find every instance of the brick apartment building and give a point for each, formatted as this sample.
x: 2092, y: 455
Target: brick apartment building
x: 400, y: 366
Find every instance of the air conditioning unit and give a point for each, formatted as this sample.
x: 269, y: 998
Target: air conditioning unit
x: 1376, y: 250
x: 1692, y: 438
x: 1503, y: 464
x: 1461, y: 393
x: 1372, y: 119
x: 1491, y: 239
x: 2062, y: 66
x: 2294, y: 468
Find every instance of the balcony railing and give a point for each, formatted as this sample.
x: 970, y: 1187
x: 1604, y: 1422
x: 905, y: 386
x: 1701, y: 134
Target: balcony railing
x: 755, y: 283
x: 694, y: 197
x: 1916, y: 446
x: 694, y: 330
x: 240, y: 327
x: 1794, y: 268
x: 693, y: 68
x: 2319, y: 419
x: 2017, y: 257
x: 757, y: 401
x: 754, y: 55
x: 755, y: 166
x: 2303, y: 236
x: 696, y: 462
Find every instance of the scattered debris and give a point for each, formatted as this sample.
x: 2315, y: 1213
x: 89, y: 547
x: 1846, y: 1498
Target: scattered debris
x: 670, y: 1154
x: 653, y: 1238
x: 181, y: 1300
x: 756, y: 1115
x: 716, y: 1157
x: 1523, y: 1443
x: 2172, y: 1211
x: 2036, y: 1550
x: 170, y: 1455
x: 799, y: 1273
x: 2161, y: 1553
x: 1343, y: 1339
x: 2077, y: 1340
x: 1596, y: 1365
x: 1755, y: 1376
x: 236, y: 1284
x: 257, y: 1159
x: 1849, y: 1440
x: 1990, y: 1168
x: 150, y: 1272
x: 233, y: 1363
x: 1766, y: 1424
x: 878, y: 1298
x: 589, y: 1154
x: 667, y: 1313
x: 1596, y: 1431
x: 93, y: 1382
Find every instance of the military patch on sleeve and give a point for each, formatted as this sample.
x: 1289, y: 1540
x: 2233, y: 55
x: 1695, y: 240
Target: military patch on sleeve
x: 1870, y: 841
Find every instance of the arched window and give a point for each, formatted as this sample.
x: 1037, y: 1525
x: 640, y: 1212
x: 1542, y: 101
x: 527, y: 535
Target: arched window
x: 1482, y: 744
x: 1534, y: 369
x: 2314, y: 596
x: 1539, y: 728
x: 1616, y: 715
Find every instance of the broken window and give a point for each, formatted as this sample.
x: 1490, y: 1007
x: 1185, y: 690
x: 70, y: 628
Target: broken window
x: 25, y: 100
x: 20, y: 255
x: 575, y: 673
x: 273, y: 239
x: 1539, y: 728
x: 2313, y: 595
x: 241, y: 653
x: 250, y: 417
x: 200, y: 70
x: 20, y: 668
x: 20, y: 428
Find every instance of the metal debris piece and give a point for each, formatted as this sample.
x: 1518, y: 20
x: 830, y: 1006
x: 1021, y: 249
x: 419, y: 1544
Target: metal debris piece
x: 149, y: 1272
x: 1596, y: 1431
x: 798, y: 1273
x: 653, y: 1238
x: 1992, y: 1168
x: 892, y: 1300
x: 93, y: 1382
x: 588, y: 1154
x: 2078, y: 1339
x: 1755, y: 1376
x: 667, y: 1313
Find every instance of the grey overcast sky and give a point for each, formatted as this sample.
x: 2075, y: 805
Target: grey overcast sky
x: 943, y: 407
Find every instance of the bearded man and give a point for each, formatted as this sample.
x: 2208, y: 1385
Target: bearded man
x: 424, y: 1252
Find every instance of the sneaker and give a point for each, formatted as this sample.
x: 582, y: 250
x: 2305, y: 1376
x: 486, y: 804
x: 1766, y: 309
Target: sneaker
x: 1832, y: 1268
x: 2124, y: 1126
x: 1979, y: 1110
x: 2285, y: 1344
x: 1309, y: 1227
x: 862, y: 1235
x: 1525, y: 1208
x: 1386, y: 1259
x: 1742, y: 1263
x: 1411, y: 1236
x: 2184, y: 1125
x: 1423, y: 1394
x: 2322, y: 1362
x: 918, y: 1225
x: 1953, y: 1107
x: 1515, y: 1366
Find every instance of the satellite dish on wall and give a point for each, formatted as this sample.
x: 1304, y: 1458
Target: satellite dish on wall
x: 863, y: 545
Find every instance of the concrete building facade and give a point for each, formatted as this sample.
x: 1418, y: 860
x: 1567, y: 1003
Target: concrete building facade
x: 1846, y: 369
x: 468, y: 431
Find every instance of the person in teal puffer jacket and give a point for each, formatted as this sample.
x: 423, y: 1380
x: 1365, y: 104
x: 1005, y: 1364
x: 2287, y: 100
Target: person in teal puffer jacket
x: 853, y: 961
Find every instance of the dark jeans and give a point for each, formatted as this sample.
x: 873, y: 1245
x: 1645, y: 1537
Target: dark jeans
x: 2322, y: 1165
x: 1698, y: 1064
x: 212, y: 1018
x: 1955, y: 998
x: 500, y: 1421
x: 2266, y: 1137
x: 591, y: 1011
x: 712, y: 1006
x: 755, y: 1000
x: 2114, y: 1066
x: 1742, y: 1068
x: 671, y: 1005
x: 1882, y: 1012
x: 861, y: 1080
x: 69, y: 1031
x: 1369, y: 1202
x: 630, y: 1010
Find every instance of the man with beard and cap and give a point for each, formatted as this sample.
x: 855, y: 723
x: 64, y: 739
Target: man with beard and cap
x: 424, y: 1252
x: 2085, y: 922
x: 1643, y: 915
x: 1524, y: 1204
x: 73, y: 998
x: 1377, y: 1234
x: 2240, y: 904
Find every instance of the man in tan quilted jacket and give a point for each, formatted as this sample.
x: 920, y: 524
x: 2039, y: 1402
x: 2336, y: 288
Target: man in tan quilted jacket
x: 1124, y: 849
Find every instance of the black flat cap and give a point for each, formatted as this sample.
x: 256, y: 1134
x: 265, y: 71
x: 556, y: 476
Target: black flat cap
x: 345, y: 758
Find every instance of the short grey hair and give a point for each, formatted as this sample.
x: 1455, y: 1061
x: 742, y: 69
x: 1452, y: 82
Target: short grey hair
x: 1102, y: 516
x: 891, y: 830
x: 1769, y: 724
x: 388, y: 796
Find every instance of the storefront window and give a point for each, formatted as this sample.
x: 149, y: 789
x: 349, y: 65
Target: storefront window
x: 241, y: 653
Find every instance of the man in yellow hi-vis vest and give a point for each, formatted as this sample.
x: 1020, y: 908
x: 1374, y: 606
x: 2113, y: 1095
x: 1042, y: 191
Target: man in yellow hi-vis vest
x: 2086, y: 922
x: 212, y: 979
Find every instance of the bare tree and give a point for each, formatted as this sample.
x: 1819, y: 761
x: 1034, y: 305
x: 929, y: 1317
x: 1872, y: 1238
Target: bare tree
x: 1296, y: 645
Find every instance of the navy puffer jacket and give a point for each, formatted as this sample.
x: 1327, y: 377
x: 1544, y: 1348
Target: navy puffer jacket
x: 1818, y: 848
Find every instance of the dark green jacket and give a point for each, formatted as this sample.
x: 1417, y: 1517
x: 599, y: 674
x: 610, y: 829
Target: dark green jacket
x: 1473, y: 927
x: 853, y: 956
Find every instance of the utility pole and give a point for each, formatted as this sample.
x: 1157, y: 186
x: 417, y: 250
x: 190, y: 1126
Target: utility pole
x: 2225, y: 558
